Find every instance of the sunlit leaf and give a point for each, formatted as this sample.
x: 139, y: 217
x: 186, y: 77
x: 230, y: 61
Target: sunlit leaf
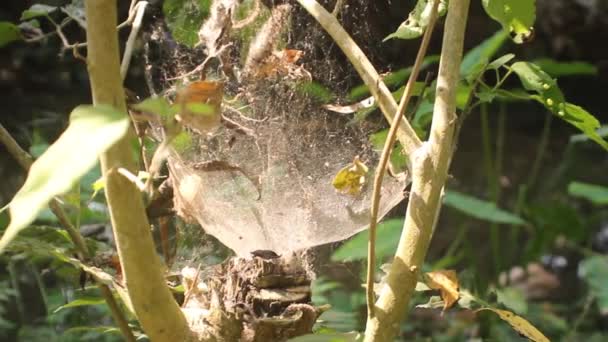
x: 84, y: 301
x: 91, y: 132
x: 594, y: 271
x: 9, y: 32
x: 533, y: 78
x: 351, y: 178
x: 480, y: 209
x: 519, y: 324
x: 156, y: 105
x: 184, y: 18
x: 446, y: 281
x: 500, y: 61
x: 386, y: 242
x: 515, y: 16
x: 597, y: 194
x: 583, y: 120
x: 474, y: 62
x: 417, y: 20
x: 37, y: 10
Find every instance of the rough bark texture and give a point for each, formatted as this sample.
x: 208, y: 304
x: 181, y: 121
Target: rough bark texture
x: 252, y: 300
x: 429, y: 172
x: 154, y: 305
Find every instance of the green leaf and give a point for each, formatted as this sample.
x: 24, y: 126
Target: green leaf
x: 557, y: 69
x: 84, y: 301
x: 594, y: 271
x: 596, y: 194
x: 417, y: 20
x: 91, y: 132
x: 37, y: 10
x: 184, y: 18
x: 386, y: 242
x: 480, y: 209
x: 474, y: 62
x: 9, y: 32
x: 513, y: 298
x: 156, y: 105
x: 500, y: 61
x: 392, y: 79
x: 317, y: 91
x: 583, y: 120
x: 398, y: 159
x: 516, y: 16
x: 549, y: 94
x: 602, y: 132
x: 533, y: 77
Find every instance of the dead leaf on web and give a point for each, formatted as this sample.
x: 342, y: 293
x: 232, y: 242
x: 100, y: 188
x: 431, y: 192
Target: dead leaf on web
x: 351, y: 178
x: 351, y: 108
x: 519, y: 324
x: 446, y: 281
x: 282, y: 63
x: 200, y: 105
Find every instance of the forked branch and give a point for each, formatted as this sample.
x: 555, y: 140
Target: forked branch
x: 386, y: 153
x: 429, y: 172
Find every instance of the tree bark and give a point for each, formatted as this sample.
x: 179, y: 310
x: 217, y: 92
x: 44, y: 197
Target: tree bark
x: 429, y: 171
x: 157, y: 311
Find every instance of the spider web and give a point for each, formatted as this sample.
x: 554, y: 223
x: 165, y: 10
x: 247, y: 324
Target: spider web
x: 283, y: 149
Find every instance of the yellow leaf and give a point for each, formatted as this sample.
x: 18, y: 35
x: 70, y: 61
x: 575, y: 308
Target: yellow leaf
x: 446, y: 282
x: 519, y: 324
x: 351, y: 178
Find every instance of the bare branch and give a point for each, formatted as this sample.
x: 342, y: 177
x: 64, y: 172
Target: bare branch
x: 406, y: 134
x: 384, y: 157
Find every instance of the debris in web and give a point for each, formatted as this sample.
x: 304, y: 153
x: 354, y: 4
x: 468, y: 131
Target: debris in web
x: 280, y: 173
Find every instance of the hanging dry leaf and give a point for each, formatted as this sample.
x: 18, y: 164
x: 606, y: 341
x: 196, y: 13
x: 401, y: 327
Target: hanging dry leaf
x: 351, y: 108
x: 200, y: 105
x: 446, y: 281
x: 519, y: 324
x: 351, y: 178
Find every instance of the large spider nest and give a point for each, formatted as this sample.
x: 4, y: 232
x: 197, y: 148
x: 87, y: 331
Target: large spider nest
x: 263, y: 179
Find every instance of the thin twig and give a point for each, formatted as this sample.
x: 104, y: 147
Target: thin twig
x: 250, y: 18
x: 406, y: 134
x: 192, y: 287
x: 201, y: 66
x: 384, y: 157
x: 139, y: 9
x: 25, y: 160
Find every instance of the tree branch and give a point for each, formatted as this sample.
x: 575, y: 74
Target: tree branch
x: 429, y: 172
x: 386, y: 153
x: 157, y: 311
x: 406, y: 134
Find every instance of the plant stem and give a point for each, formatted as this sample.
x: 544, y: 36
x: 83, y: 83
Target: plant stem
x: 491, y: 181
x: 385, y: 156
x: 429, y: 172
x: 157, y: 311
x: 406, y: 134
x: 540, y: 152
x: 25, y: 160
